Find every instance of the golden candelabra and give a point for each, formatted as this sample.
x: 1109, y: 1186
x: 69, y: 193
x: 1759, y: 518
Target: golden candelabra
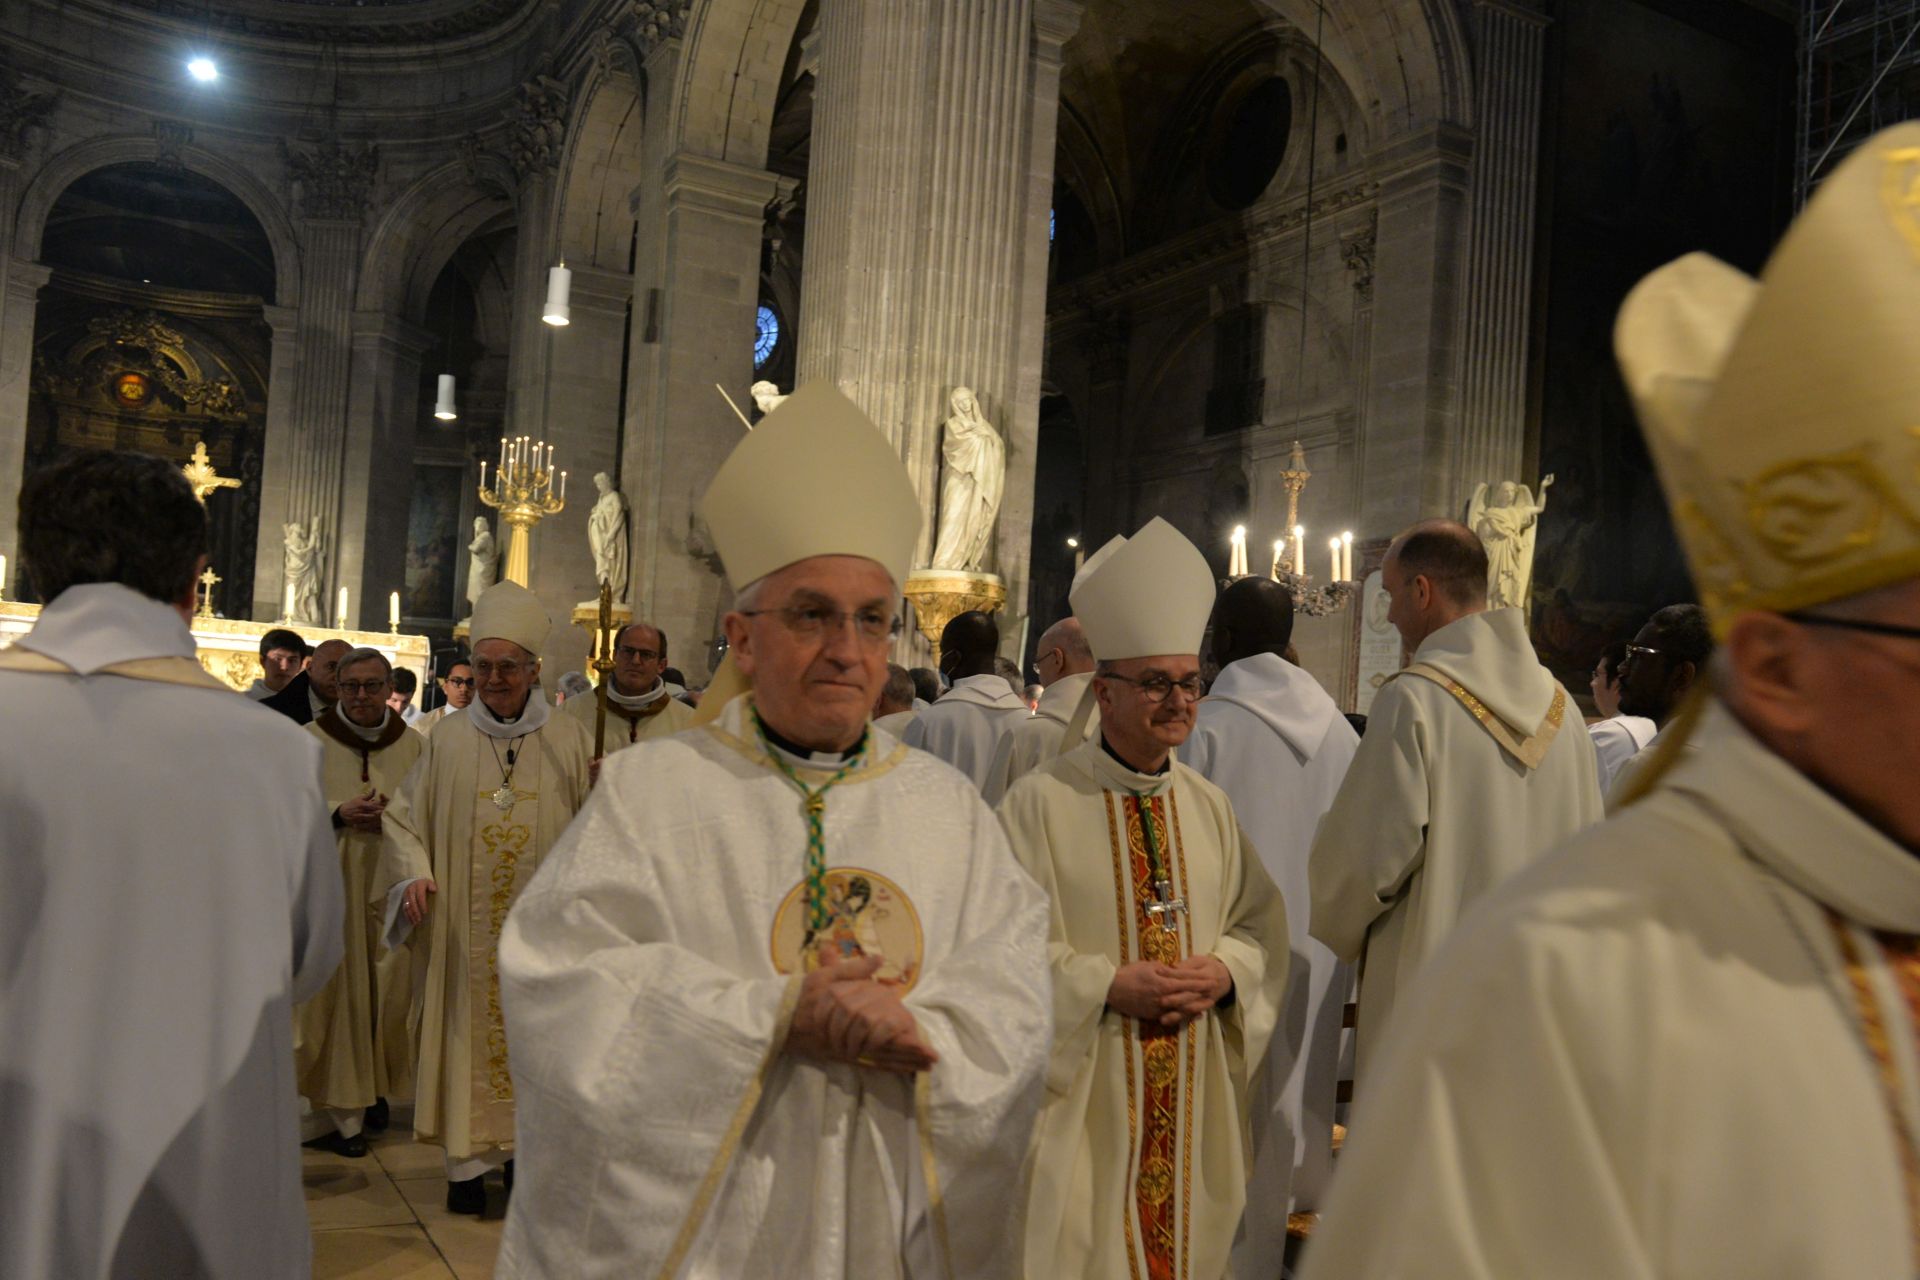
x: 1291, y: 571
x: 525, y: 493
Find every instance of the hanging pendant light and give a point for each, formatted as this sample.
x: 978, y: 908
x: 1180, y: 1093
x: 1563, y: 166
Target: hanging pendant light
x: 443, y: 406
x: 559, y: 288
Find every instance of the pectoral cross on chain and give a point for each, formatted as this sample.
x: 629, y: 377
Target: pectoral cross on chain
x: 1165, y: 906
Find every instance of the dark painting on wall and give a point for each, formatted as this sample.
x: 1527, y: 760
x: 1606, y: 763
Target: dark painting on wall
x: 433, y: 543
x: 1671, y: 131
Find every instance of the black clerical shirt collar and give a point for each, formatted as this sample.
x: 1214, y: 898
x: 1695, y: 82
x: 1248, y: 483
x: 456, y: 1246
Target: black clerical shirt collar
x: 1126, y: 764
x: 782, y: 743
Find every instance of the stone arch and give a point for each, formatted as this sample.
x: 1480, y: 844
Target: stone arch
x: 599, y: 169
x: 729, y: 80
x: 417, y: 235
x: 1406, y: 60
x: 62, y: 170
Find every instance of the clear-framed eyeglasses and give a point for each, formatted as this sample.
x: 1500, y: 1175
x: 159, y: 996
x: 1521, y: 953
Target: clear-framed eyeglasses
x: 1160, y: 688
x: 627, y: 653
x: 810, y: 621
x: 354, y: 688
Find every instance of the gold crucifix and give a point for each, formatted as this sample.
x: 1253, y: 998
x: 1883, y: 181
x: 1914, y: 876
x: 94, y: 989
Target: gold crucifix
x: 201, y: 475
x: 207, y: 580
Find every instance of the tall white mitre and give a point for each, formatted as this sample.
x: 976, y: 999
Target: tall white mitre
x: 508, y: 611
x: 814, y: 478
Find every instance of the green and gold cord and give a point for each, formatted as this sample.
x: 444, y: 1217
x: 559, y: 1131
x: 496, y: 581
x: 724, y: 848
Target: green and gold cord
x: 814, y: 800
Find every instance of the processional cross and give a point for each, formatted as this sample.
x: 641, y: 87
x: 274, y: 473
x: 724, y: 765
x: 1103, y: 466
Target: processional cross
x: 201, y: 475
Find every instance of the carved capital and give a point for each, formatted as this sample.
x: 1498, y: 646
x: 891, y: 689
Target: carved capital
x: 23, y: 113
x: 333, y: 178
x: 537, y: 127
x: 657, y: 21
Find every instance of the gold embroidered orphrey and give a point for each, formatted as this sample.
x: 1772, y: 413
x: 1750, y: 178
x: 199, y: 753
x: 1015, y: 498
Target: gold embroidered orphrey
x: 1900, y: 193
x: 1530, y: 750
x: 868, y: 915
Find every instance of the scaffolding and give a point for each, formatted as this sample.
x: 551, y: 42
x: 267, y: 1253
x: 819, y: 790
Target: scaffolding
x: 1859, y: 72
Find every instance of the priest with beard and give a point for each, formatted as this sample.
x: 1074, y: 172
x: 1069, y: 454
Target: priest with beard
x: 782, y: 987
x: 639, y: 704
x: 351, y: 1048
x: 1167, y: 945
x: 490, y: 795
x: 1684, y: 1045
x: 1270, y: 737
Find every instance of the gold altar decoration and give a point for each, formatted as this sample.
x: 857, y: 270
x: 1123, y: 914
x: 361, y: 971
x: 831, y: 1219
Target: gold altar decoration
x: 1291, y: 572
x: 524, y: 492
x: 941, y: 595
x: 229, y: 648
x: 201, y: 475
x: 208, y: 580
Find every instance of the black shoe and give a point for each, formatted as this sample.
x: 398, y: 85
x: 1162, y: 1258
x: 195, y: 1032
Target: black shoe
x: 376, y: 1118
x: 506, y: 1176
x: 467, y: 1197
x: 352, y: 1148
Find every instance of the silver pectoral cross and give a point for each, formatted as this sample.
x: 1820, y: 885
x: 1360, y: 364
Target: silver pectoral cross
x: 1164, y: 906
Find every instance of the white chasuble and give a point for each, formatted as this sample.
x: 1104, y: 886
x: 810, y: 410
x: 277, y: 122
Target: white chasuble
x: 1466, y: 774
x: 965, y: 726
x: 1141, y: 1157
x: 1682, y: 1047
x: 478, y: 827
x: 1040, y: 737
x: 650, y: 973
x: 351, y: 1042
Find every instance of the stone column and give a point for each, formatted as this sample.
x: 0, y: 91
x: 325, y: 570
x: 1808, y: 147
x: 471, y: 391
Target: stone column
x: 383, y: 411
x: 1497, y: 322
x: 276, y: 470
x: 1407, y: 462
x: 19, y: 294
x: 931, y: 175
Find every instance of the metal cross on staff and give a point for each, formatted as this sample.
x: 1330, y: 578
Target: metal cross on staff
x: 603, y: 664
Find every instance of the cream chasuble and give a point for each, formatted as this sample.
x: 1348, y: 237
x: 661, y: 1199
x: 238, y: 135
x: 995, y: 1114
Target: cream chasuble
x: 460, y: 820
x: 660, y: 718
x: 1040, y: 737
x: 351, y: 1042
x: 967, y: 723
x: 1460, y: 781
x: 1141, y: 1156
x: 650, y: 972
x: 1682, y: 1047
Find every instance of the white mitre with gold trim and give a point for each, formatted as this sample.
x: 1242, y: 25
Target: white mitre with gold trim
x: 815, y: 478
x: 508, y: 611
x: 1144, y: 596
x: 1784, y: 414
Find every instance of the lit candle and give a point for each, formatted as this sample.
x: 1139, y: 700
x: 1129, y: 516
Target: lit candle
x: 503, y: 452
x: 1333, y: 545
x: 563, y: 486
x: 483, y: 473
x: 3, y: 577
x: 1279, y: 557
x: 1346, y: 556
x: 287, y: 610
x: 343, y: 608
x: 539, y: 447
x: 393, y: 609
x: 1237, y: 556
x: 1300, y: 550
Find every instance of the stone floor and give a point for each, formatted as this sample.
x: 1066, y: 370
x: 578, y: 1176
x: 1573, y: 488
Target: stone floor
x: 384, y: 1217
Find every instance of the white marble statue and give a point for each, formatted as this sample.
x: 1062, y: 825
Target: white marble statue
x: 972, y: 479
x: 1506, y: 526
x: 607, y: 535
x: 766, y: 397
x: 483, y: 560
x: 305, y: 564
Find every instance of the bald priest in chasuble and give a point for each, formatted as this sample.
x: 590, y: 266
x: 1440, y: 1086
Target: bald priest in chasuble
x: 492, y: 792
x: 1167, y: 944
x: 783, y: 983
x: 1685, y: 1045
x: 351, y: 1045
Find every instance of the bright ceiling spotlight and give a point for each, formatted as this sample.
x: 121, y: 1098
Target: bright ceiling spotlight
x: 203, y: 69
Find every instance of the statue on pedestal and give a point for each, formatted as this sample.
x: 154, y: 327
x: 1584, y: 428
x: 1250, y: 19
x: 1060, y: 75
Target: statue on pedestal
x: 305, y: 562
x: 1506, y: 527
x: 973, y: 477
x: 483, y: 560
x: 607, y: 535
x: 766, y: 397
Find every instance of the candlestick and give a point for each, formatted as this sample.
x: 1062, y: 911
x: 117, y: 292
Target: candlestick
x: 1346, y: 556
x: 1237, y: 553
x: 1279, y: 558
x: 393, y: 610
x: 1333, y: 573
x: 286, y: 610
x: 503, y: 451
x: 563, y: 486
x: 3, y: 577
x: 1300, y: 550
x: 343, y: 609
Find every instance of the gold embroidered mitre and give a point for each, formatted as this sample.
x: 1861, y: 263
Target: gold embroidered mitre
x: 1783, y: 414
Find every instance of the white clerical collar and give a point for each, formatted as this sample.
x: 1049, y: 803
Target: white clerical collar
x: 638, y: 702
x: 532, y: 717
x: 363, y: 733
x: 97, y: 624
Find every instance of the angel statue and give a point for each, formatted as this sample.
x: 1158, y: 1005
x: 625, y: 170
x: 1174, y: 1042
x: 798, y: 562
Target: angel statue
x: 1506, y: 527
x: 305, y: 560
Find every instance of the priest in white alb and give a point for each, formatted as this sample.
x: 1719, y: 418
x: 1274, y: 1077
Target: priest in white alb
x: 968, y: 721
x: 639, y: 704
x: 1270, y: 737
x: 487, y: 800
x: 1167, y: 945
x: 1065, y: 665
x: 782, y: 987
x: 1685, y: 1044
x: 1464, y: 776
x: 351, y: 1048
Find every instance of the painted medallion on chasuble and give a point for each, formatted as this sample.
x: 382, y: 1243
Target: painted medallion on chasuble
x: 868, y: 915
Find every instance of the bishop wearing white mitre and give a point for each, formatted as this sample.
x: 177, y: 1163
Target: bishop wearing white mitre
x: 487, y: 800
x: 1168, y: 946
x: 1685, y: 1045
x: 781, y: 993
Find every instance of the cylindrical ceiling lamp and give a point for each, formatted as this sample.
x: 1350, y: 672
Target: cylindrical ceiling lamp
x: 443, y: 407
x: 559, y: 288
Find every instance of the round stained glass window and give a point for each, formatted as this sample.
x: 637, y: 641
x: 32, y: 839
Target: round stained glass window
x: 766, y: 337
